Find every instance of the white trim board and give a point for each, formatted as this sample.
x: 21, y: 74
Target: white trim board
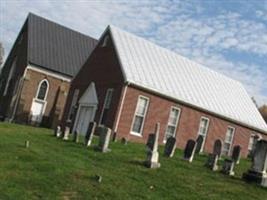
x: 49, y: 73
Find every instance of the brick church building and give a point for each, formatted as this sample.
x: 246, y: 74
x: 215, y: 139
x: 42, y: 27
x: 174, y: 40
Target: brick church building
x: 129, y: 84
x: 36, y: 76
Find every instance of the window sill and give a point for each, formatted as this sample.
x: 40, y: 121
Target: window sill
x: 136, y: 134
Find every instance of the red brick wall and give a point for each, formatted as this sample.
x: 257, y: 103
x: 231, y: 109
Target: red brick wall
x: 103, y: 69
x: 56, y: 98
x: 158, y: 111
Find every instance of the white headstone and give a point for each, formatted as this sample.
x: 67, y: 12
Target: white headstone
x: 152, y: 160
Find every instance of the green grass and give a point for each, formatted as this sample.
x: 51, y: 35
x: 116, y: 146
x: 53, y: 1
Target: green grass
x: 56, y: 169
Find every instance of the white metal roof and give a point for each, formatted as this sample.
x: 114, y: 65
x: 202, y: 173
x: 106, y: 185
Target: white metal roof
x: 163, y: 71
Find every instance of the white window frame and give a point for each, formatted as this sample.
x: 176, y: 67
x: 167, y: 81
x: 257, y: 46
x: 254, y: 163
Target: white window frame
x: 231, y: 143
x: 206, y: 133
x: 46, y: 92
x: 144, y: 116
x: 106, y: 104
x: 176, y: 123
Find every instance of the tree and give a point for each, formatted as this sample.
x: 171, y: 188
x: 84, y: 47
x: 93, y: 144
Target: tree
x: 263, y: 111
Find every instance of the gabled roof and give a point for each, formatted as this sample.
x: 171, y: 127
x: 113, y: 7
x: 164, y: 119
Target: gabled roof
x: 162, y: 71
x: 55, y: 47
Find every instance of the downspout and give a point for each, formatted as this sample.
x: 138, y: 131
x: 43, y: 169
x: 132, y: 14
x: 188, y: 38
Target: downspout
x: 121, y: 106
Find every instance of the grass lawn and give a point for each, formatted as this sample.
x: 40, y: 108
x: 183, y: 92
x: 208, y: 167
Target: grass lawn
x: 56, y: 169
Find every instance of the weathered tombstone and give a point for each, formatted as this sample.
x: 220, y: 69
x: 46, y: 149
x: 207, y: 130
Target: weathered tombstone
x: 27, y: 144
x: 90, y: 133
x: 212, y: 162
x: 189, y: 151
x: 104, y: 138
x: 114, y: 136
x: 152, y: 160
x: 66, y: 133
x: 217, y: 148
x: 124, y: 141
x: 58, y: 131
x: 228, y: 167
x: 170, y: 147
x: 258, y: 171
x: 200, y: 140
x: 76, y: 136
x: 236, y: 154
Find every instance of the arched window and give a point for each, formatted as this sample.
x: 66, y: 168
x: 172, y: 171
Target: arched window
x: 42, y: 90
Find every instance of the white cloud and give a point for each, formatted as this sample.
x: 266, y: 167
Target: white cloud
x: 177, y: 25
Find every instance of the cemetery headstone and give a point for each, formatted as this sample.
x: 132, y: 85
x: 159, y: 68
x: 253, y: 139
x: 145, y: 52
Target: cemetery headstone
x: 200, y: 140
x: 76, y: 136
x: 104, y: 138
x: 236, y: 154
x: 124, y: 141
x: 27, y: 144
x: 217, y: 148
x: 114, y: 136
x: 189, y: 151
x: 90, y: 133
x: 212, y: 161
x: 228, y: 167
x: 152, y: 160
x: 66, y: 133
x: 258, y: 171
x: 170, y: 147
x: 58, y: 131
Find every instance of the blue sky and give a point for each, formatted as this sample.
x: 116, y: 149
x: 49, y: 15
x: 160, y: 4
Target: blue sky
x: 227, y: 36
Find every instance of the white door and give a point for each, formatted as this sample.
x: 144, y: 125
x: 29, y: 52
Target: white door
x: 86, y: 115
x: 37, y: 111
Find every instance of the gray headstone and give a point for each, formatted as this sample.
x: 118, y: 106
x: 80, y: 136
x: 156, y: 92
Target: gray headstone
x: 152, y: 160
x: 217, y: 148
x: 104, y: 138
x: 90, y: 133
x: 66, y: 133
x: 170, y: 147
x: 258, y: 171
x: 189, y: 151
x: 124, y: 141
x: 228, y: 167
x: 236, y: 154
x: 150, y: 141
x: 76, y: 137
x: 212, y: 161
x: 200, y: 140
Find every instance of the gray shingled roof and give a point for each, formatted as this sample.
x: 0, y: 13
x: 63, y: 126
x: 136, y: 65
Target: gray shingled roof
x: 55, y: 47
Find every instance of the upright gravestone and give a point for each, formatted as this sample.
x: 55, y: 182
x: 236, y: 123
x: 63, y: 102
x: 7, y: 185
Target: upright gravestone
x: 258, y: 171
x: 58, y: 131
x: 236, y: 154
x: 170, y: 147
x: 152, y: 160
x: 212, y: 161
x: 228, y: 167
x: 90, y: 133
x: 200, y: 140
x: 217, y: 148
x: 66, y: 133
x: 104, y: 138
x: 124, y: 141
x: 76, y: 136
x: 189, y: 151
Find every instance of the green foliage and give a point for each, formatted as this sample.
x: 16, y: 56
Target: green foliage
x: 54, y: 169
